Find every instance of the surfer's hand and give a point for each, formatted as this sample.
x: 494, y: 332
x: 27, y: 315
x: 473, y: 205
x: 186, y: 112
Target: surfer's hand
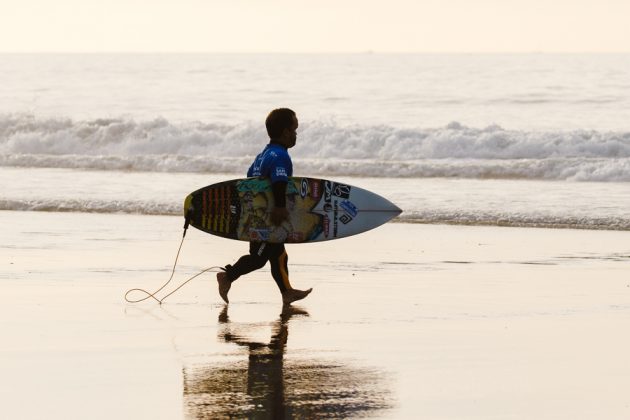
x: 279, y: 215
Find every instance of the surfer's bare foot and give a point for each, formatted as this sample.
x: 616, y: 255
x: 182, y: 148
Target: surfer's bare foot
x: 291, y: 295
x: 224, y: 285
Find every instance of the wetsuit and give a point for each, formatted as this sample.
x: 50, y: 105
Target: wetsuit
x: 275, y: 163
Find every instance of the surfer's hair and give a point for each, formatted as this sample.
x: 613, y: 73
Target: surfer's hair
x: 278, y: 120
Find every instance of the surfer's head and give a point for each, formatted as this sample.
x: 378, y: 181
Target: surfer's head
x: 282, y: 124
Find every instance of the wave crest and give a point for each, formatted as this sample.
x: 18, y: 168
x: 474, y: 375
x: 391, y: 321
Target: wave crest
x: 324, y: 147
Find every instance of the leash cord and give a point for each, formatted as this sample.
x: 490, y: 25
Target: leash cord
x: 152, y: 295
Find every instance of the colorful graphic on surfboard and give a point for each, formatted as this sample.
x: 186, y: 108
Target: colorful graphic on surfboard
x: 319, y: 210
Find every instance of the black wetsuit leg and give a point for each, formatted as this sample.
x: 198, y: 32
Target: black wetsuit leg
x: 259, y: 254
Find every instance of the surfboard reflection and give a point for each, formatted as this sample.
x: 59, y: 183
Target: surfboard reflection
x: 268, y: 386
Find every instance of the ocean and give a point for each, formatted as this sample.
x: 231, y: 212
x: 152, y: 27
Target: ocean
x: 531, y: 140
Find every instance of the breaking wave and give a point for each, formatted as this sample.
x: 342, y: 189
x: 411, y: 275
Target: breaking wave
x: 324, y: 147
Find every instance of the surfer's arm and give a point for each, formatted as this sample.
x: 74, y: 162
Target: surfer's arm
x: 279, y: 193
x: 279, y: 175
x: 279, y: 213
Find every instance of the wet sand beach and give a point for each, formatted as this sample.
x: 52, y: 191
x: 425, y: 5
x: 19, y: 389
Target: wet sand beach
x: 407, y: 321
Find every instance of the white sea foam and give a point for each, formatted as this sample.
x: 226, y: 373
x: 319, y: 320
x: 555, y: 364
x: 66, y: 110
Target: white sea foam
x: 517, y: 220
x: 433, y: 216
x: 424, y: 200
x: 92, y: 206
x: 324, y: 147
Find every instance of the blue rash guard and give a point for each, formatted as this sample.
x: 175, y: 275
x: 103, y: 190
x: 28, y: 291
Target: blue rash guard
x: 273, y: 162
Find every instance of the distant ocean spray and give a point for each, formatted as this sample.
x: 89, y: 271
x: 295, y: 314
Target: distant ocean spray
x: 325, y: 147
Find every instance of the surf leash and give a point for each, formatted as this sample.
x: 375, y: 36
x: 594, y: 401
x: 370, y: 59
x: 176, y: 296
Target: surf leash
x: 153, y: 295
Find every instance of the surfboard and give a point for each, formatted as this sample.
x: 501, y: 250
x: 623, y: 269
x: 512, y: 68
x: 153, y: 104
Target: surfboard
x: 319, y: 210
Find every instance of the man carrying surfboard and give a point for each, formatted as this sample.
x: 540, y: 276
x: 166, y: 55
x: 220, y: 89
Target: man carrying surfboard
x: 274, y: 163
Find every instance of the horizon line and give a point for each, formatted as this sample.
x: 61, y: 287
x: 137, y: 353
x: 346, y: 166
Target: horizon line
x: 364, y: 52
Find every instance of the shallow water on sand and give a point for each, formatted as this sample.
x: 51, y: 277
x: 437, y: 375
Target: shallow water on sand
x: 406, y: 321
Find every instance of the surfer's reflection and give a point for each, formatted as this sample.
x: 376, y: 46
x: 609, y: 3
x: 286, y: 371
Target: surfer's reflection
x: 267, y: 387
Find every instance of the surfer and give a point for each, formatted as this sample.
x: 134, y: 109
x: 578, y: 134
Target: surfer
x: 274, y: 163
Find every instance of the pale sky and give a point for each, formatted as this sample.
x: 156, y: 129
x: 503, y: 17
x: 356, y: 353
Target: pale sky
x: 315, y: 26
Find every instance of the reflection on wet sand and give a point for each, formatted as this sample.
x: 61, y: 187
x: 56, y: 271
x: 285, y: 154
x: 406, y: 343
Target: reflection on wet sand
x: 268, y: 386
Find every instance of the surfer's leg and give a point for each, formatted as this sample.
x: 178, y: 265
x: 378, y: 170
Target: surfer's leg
x: 257, y: 258
x: 280, y: 270
x: 279, y: 266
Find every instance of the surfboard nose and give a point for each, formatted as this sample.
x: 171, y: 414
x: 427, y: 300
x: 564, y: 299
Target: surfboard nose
x: 395, y: 211
x: 388, y: 206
